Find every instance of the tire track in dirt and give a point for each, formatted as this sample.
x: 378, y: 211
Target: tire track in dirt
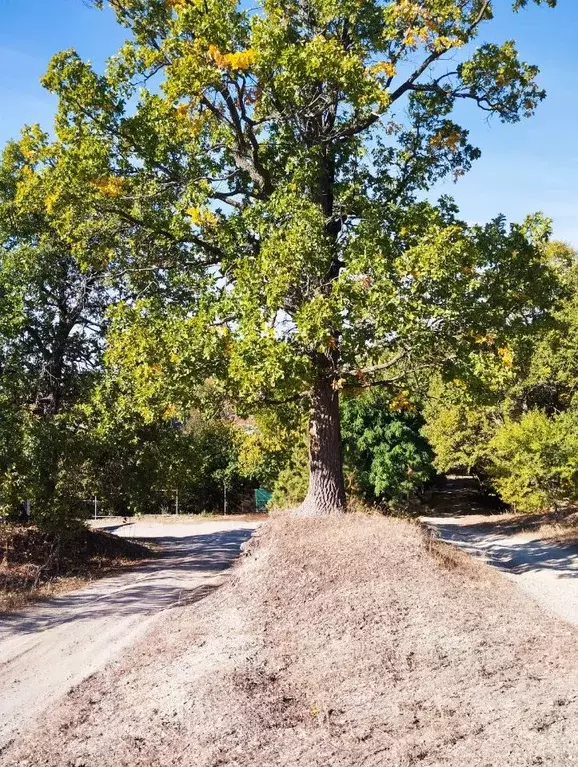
x: 50, y: 648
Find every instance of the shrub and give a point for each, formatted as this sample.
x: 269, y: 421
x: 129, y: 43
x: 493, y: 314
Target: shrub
x: 534, y: 460
x: 291, y: 485
x: 385, y: 454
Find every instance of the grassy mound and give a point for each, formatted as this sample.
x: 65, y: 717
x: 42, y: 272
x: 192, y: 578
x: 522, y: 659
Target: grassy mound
x: 33, y: 562
x: 351, y: 643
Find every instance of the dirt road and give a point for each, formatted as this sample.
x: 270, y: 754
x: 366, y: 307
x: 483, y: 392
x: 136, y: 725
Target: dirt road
x: 545, y: 569
x: 48, y: 649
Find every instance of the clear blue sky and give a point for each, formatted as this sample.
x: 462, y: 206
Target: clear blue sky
x: 530, y: 166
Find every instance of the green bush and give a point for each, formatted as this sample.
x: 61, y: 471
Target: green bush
x: 459, y: 435
x: 534, y: 460
x: 291, y: 485
x: 385, y: 455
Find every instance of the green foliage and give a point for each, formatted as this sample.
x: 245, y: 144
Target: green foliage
x: 385, y: 455
x: 517, y: 426
x: 266, y: 442
x: 459, y: 428
x: 72, y: 425
x: 386, y: 459
x: 135, y: 466
x: 238, y: 183
x: 51, y: 320
x: 290, y: 487
x: 266, y: 200
x: 535, y: 460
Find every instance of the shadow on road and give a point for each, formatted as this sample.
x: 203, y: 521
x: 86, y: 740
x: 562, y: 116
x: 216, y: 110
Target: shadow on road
x: 149, y: 588
x: 514, y: 554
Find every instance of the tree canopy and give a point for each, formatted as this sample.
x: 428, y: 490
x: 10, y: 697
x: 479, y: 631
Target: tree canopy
x: 251, y: 180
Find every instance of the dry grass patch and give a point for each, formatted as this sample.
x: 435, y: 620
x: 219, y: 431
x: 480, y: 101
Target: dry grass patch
x: 448, y: 556
x: 358, y: 642
x: 35, y: 564
x: 559, y: 533
x: 539, y: 521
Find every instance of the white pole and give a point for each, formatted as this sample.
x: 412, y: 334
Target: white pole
x: 225, y: 497
x: 95, y: 506
x: 176, y: 502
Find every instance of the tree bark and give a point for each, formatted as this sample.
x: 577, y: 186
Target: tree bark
x: 326, y: 495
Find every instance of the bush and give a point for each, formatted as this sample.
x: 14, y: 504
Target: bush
x: 385, y: 455
x: 459, y: 435
x: 291, y: 485
x: 534, y: 460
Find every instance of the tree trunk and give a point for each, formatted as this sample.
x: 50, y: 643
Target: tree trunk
x: 326, y: 495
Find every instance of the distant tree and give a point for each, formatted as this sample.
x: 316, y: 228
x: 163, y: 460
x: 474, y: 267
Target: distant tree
x: 459, y: 426
x: 256, y: 171
x: 51, y: 337
x: 513, y: 421
x: 136, y: 466
x: 62, y: 440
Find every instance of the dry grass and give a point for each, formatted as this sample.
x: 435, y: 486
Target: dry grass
x: 560, y: 523
x: 559, y: 533
x: 358, y: 642
x: 36, y: 565
x: 448, y: 556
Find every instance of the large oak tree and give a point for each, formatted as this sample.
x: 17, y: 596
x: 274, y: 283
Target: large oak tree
x: 257, y: 171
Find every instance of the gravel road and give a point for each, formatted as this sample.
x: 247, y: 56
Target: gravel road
x: 545, y: 569
x: 48, y: 649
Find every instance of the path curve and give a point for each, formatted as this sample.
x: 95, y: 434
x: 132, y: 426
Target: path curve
x: 51, y: 647
x: 545, y: 569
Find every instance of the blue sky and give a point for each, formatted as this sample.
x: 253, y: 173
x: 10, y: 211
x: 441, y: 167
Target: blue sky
x: 526, y: 167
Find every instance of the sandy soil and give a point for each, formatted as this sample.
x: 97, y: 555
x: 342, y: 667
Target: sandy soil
x: 104, y: 523
x: 357, y: 642
x: 46, y: 650
x: 547, y: 569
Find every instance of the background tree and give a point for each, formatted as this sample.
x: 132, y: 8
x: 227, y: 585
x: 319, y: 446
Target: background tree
x: 262, y: 188
x: 51, y: 337
x: 135, y: 466
x: 514, y: 423
x: 69, y: 431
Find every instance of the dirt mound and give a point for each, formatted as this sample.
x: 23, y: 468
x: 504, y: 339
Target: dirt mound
x: 32, y: 559
x: 358, y: 642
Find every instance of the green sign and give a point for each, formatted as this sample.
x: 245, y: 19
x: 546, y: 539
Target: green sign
x: 262, y: 498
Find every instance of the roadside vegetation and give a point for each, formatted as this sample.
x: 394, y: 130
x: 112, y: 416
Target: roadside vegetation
x: 224, y: 277
x: 35, y: 564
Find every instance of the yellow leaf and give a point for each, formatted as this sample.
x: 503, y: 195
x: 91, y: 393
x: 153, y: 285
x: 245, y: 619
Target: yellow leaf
x: 202, y: 216
x: 49, y: 202
x: 238, y: 60
x: 401, y: 402
x: 386, y: 67
x: 177, y: 5
x: 506, y: 355
x: 489, y: 339
x: 110, y: 187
